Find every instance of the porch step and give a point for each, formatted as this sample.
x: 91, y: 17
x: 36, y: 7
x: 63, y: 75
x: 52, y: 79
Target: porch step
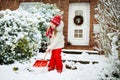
x: 69, y: 51
x: 82, y: 62
x: 82, y: 56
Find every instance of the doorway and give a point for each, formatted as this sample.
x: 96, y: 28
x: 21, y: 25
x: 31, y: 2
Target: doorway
x: 79, y: 24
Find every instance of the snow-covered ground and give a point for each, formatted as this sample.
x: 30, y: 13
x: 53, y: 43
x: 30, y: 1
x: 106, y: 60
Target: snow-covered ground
x: 25, y: 71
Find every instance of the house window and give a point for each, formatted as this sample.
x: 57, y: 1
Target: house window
x: 78, y: 33
x: 27, y: 5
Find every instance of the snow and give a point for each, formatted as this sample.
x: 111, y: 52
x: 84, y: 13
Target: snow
x: 103, y: 70
x: 26, y: 71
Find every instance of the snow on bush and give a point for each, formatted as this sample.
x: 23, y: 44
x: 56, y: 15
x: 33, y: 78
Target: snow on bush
x: 15, y: 25
x: 110, y: 70
x: 46, y: 12
x: 108, y: 17
x: 22, y: 31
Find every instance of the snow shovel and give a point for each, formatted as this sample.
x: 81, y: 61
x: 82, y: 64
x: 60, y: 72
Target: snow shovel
x: 41, y: 63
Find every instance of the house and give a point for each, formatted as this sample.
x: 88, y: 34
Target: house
x: 78, y: 20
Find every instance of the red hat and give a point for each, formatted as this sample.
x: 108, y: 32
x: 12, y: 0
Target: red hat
x: 56, y: 20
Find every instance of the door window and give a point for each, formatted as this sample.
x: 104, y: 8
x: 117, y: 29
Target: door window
x: 78, y: 33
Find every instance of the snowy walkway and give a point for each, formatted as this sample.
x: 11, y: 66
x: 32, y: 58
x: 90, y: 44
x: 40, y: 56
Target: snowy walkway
x: 83, y: 72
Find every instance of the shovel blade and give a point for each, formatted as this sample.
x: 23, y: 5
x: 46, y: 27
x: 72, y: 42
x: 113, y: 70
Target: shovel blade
x: 40, y: 63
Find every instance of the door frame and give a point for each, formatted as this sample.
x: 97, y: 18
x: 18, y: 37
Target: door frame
x: 86, y: 39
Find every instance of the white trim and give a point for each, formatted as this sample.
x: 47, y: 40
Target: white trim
x: 73, y: 50
x: 85, y: 7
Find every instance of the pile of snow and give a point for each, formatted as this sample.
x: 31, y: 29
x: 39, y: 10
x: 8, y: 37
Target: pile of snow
x: 104, y: 70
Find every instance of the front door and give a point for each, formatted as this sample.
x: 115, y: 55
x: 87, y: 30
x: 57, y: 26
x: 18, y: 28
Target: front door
x: 79, y: 24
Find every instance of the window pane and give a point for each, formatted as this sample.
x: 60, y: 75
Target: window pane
x: 75, y: 35
x: 76, y: 31
x: 80, y: 31
x: 80, y: 36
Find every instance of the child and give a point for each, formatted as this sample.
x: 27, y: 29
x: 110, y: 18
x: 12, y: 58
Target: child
x: 55, y: 33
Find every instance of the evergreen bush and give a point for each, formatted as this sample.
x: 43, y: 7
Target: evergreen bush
x: 22, y: 32
x: 22, y: 50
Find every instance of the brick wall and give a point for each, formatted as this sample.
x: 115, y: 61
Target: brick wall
x: 63, y: 5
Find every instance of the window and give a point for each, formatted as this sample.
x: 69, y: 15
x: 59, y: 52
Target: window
x: 78, y: 33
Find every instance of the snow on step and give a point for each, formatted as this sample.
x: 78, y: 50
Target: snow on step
x: 84, y: 57
x: 79, y: 51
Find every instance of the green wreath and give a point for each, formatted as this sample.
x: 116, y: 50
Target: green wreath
x: 78, y: 20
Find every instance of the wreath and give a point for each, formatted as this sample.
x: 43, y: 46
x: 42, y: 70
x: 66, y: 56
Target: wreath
x: 78, y: 20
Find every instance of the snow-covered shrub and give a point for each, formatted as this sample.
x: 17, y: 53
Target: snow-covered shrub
x: 14, y: 25
x: 23, y: 31
x: 45, y: 12
x: 110, y: 71
x: 22, y: 49
x: 118, y: 45
x: 108, y: 17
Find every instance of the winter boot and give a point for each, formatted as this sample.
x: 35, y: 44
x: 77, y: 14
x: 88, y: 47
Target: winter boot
x: 59, y: 71
x: 50, y: 68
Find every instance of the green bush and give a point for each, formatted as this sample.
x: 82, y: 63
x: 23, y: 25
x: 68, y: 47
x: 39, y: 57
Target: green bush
x: 32, y: 24
x: 6, y: 55
x: 22, y: 50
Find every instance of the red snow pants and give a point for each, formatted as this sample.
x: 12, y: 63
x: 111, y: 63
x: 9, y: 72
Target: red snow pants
x: 55, y: 60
